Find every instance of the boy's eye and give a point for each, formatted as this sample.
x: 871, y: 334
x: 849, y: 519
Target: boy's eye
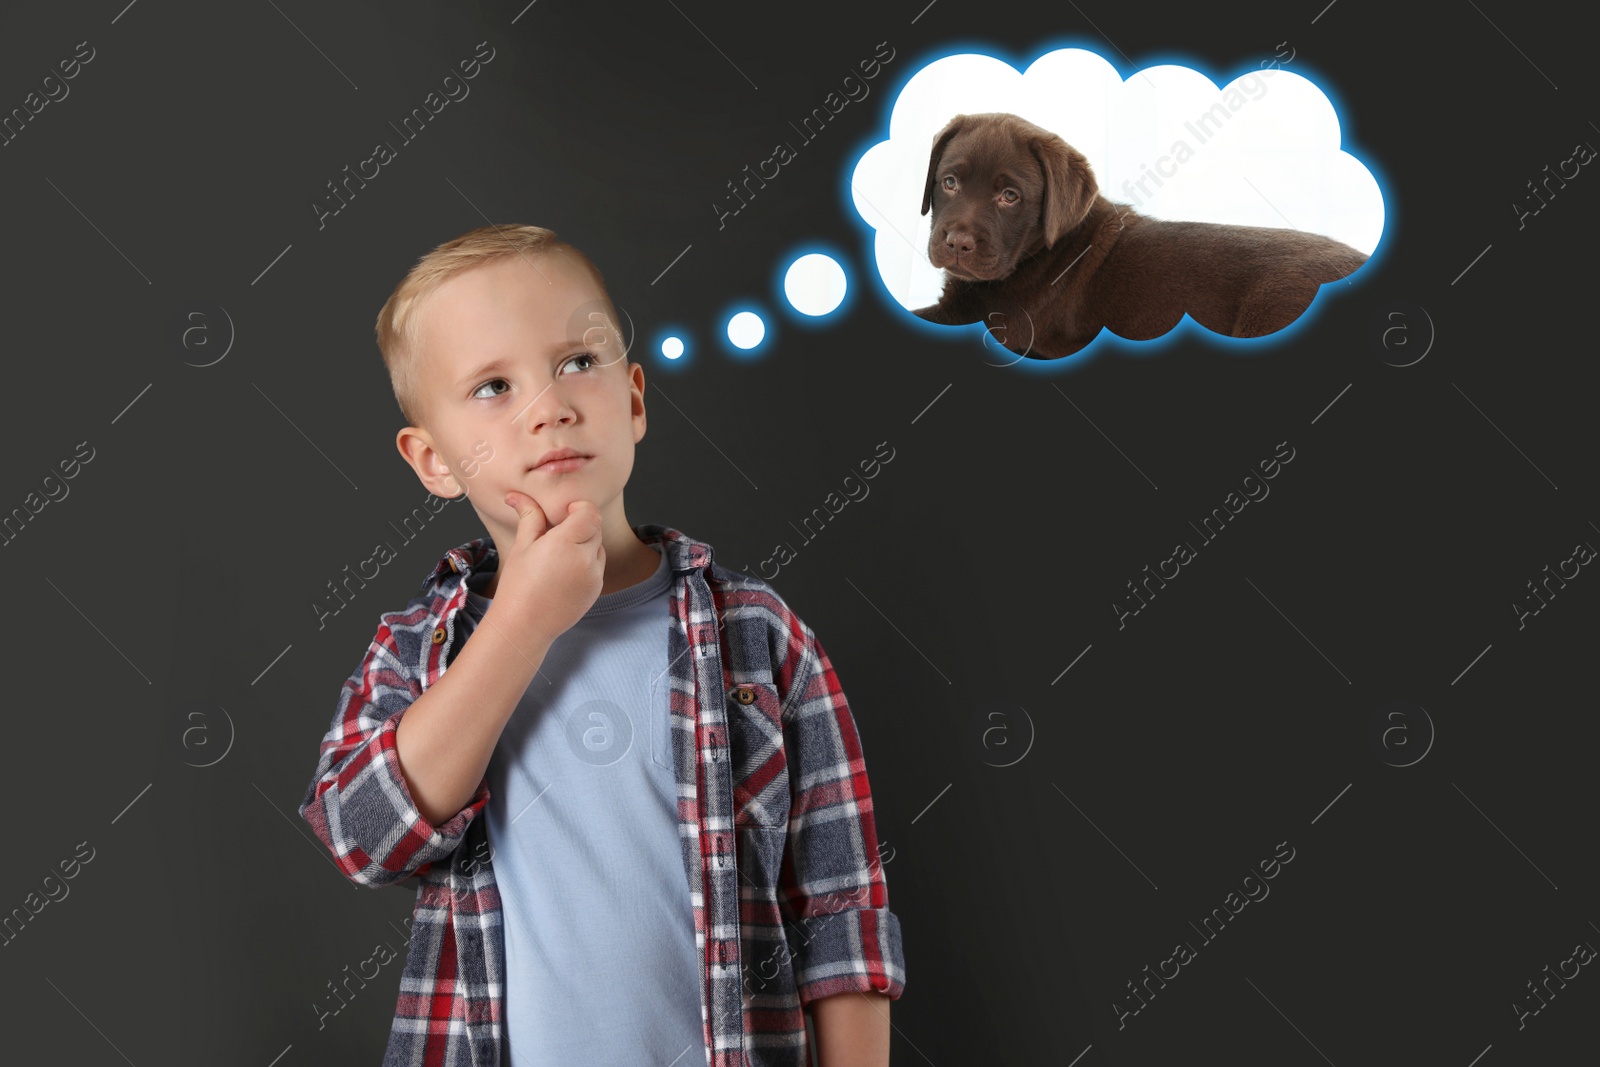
x: 592, y: 361
x: 588, y: 358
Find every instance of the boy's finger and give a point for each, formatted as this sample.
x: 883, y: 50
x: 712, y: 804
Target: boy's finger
x: 590, y: 511
x: 528, y: 512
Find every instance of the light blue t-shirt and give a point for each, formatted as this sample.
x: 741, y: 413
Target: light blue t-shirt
x: 601, y: 967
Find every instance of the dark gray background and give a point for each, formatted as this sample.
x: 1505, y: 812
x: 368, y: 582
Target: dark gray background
x: 1231, y: 715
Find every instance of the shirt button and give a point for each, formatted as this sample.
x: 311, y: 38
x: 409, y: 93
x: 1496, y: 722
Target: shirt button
x: 438, y: 636
x: 744, y: 694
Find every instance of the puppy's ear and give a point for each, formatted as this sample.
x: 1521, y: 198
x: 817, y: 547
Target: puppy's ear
x: 1069, y: 186
x: 951, y: 128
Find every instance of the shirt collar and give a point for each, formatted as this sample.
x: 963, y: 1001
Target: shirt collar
x: 683, y: 553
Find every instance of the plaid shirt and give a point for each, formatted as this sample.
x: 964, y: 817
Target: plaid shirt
x: 774, y: 811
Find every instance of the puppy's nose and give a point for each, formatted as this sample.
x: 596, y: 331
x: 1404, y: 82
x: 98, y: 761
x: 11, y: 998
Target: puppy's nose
x: 959, y: 241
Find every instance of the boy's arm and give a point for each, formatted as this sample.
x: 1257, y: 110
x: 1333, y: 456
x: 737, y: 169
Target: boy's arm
x: 852, y: 1030
x: 844, y: 940
x: 359, y: 802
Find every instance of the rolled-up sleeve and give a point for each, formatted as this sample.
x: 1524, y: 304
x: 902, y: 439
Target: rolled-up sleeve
x: 358, y: 803
x: 833, y: 894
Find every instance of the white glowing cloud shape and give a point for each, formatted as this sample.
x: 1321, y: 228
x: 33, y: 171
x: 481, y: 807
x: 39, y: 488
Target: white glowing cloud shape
x: 1262, y: 150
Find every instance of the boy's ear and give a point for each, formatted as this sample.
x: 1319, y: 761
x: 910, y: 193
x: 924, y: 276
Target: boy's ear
x: 636, y: 384
x: 416, y: 446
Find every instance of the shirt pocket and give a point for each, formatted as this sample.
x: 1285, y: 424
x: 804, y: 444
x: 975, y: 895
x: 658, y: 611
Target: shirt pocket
x: 658, y: 722
x: 761, y: 797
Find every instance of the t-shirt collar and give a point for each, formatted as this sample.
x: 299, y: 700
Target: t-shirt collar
x: 682, y: 552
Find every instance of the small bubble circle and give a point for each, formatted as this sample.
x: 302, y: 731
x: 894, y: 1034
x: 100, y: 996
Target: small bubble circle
x: 746, y: 329
x: 814, y: 284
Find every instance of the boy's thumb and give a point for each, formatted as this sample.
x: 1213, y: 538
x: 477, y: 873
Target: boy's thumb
x: 527, y: 509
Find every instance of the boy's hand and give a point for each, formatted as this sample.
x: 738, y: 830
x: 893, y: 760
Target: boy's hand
x: 550, y: 575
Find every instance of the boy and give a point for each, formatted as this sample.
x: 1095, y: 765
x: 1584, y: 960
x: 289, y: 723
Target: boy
x: 636, y: 804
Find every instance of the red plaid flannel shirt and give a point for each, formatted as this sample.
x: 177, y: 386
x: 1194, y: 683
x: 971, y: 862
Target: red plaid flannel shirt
x: 779, y: 848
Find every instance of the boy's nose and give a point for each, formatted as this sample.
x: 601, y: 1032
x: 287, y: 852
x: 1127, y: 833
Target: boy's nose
x: 546, y: 407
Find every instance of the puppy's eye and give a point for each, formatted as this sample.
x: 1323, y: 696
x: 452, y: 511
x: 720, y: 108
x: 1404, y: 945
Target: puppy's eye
x: 1010, y: 196
x: 950, y: 181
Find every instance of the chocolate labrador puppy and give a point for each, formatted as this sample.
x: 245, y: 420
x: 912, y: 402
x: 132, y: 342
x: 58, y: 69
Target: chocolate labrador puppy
x: 1030, y: 247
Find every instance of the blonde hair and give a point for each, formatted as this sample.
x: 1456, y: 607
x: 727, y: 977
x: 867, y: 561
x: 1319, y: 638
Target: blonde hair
x: 396, y: 327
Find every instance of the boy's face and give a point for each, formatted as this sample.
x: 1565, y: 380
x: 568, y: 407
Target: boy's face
x: 557, y: 381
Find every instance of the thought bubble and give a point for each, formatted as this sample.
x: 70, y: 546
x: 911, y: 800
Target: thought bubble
x: 1261, y: 148
x: 810, y: 286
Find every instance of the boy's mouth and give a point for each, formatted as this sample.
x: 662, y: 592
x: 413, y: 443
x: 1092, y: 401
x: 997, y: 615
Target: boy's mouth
x: 559, y: 466
x: 561, y: 459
